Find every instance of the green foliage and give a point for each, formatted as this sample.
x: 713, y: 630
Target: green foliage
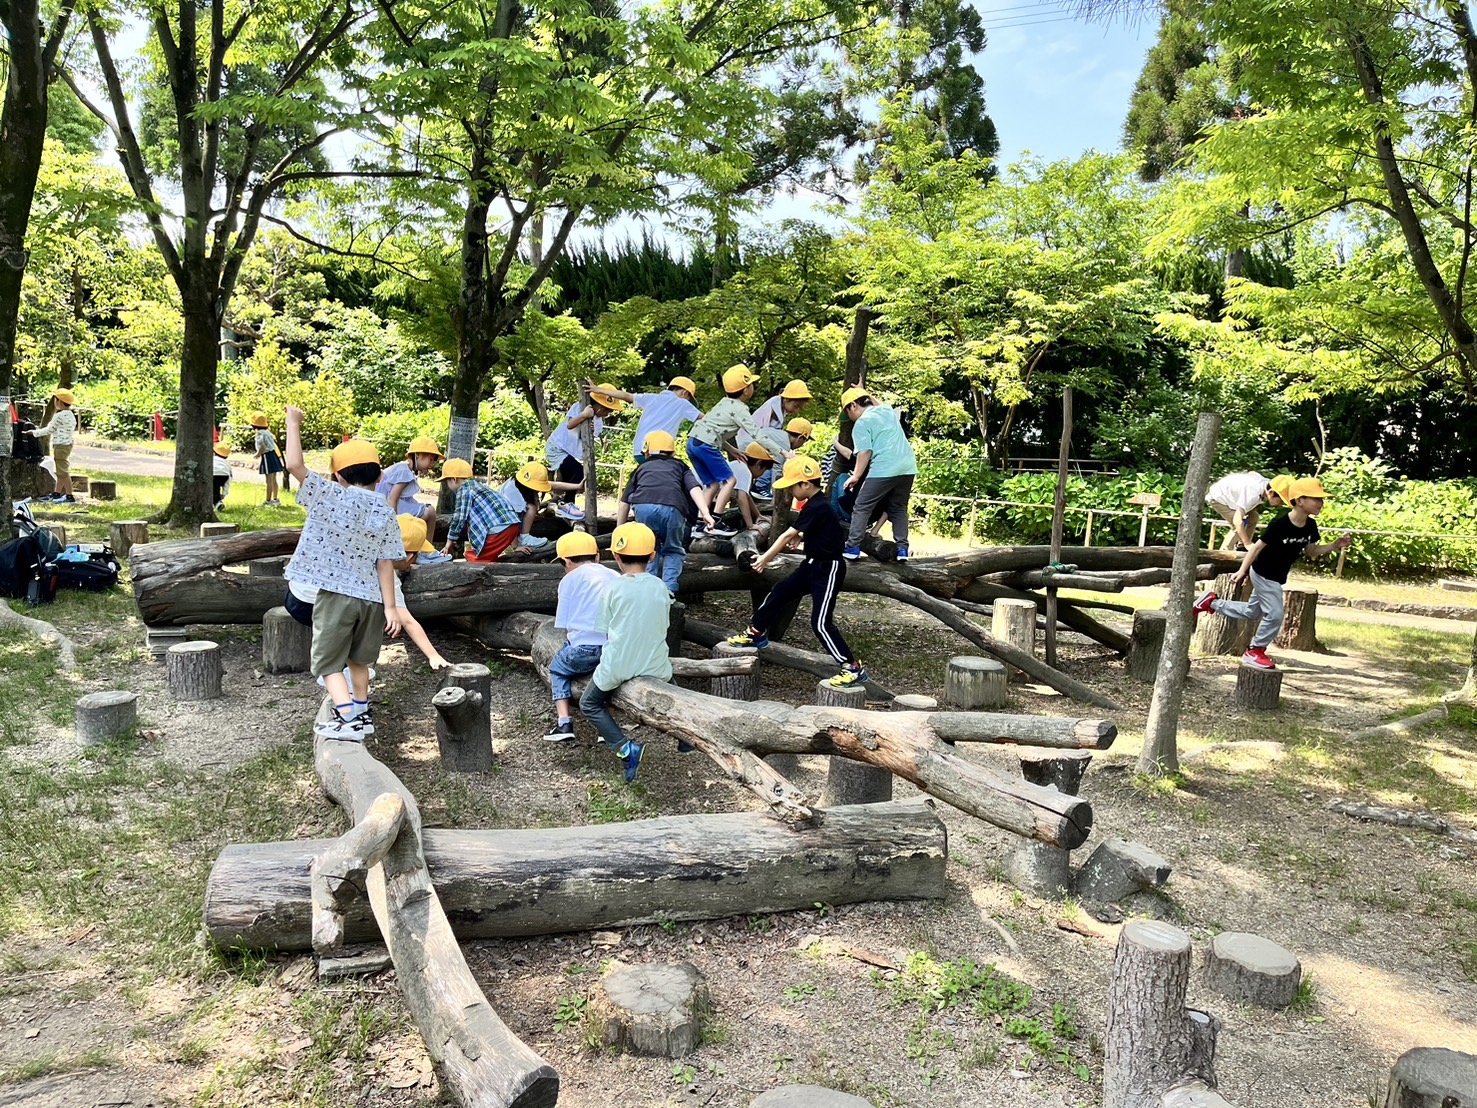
x: 1349, y: 473
x: 271, y: 381
x: 571, y: 1012
x: 505, y: 421
x: 375, y: 360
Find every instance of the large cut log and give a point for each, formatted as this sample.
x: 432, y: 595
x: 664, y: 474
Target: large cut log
x: 1432, y: 1077
x: 1299, y: 620
x: 480, y: 1062
x: 542, y: 881
x: 778, y: 654
x: 909, y: 745
x: 1218, y: 634
x: 1145, y: 644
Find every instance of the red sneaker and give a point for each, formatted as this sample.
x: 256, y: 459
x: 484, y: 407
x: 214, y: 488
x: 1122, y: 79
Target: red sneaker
x: 1257, y: 658
x: 1203, y: 604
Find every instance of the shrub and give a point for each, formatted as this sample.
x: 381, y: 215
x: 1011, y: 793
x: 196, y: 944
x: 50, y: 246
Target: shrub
x: 269, y: 382
x: 506, y: 423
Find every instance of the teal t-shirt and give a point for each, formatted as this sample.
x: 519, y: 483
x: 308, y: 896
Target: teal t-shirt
x: 633, y: 616
x: 880, y: 431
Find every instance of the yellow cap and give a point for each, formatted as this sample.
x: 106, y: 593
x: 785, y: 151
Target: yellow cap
x: 607, y: 401
x: 758, y: 453
x: 1307, y: 486
x: 1281, y: 485
x: 535, y: 476
x: 683, y: 383
x: 737, y: 378
x: 259, y: 419
x: 352, y: 453
x: 577, y: 544
x: 797, y: 470
x: 413, y: 535
x: 456, y: 467
x: 797, y: 390
x: 799, y: 426
x: 222, y: 450
x: 423, y: 444
x: 636, y: 540
x: 659, y: 442
x: 65, y: 396
x: 851, y: 396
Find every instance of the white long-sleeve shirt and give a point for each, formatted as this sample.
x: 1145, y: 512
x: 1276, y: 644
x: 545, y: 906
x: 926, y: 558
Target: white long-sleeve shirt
x: 62, y: 429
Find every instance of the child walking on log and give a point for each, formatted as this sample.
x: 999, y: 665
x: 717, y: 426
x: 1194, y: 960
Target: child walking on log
x: 580, y: 593
x: 821, y: 574
x: 1267, y: 564
x: 346, y: 556
x: 634, y: 613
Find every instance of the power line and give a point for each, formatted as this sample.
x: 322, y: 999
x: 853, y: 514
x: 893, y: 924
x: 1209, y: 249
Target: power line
x: 1028, y: 23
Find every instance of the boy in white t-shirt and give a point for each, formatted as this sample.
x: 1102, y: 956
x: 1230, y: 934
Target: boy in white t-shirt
x: 580, y: 592
x: 1237, y: 499
x: 662, y: 411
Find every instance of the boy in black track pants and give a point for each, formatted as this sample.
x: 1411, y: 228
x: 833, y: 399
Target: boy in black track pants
x: 821, y: 574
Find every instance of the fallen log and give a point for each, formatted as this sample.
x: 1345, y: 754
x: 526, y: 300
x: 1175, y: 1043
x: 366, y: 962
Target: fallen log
x: 1096, y: 580
x: 779, y: 654
x: 543, y: 881
x: 340, y: 870
x: 1069, y: 613
x: 480, y: 1062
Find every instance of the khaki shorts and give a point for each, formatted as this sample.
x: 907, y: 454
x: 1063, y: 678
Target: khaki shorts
x: 62, y: 455
x: 1228, y: 514
x: 345, y: 629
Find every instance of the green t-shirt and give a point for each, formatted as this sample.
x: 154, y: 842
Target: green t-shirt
x: 880, y: 431
x: 634, y: 613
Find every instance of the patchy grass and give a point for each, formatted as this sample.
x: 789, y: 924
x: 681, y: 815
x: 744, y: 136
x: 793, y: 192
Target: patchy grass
x: 1440, y: 656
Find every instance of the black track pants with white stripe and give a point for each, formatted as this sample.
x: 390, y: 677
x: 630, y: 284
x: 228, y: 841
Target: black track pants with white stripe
x: 823, y: 580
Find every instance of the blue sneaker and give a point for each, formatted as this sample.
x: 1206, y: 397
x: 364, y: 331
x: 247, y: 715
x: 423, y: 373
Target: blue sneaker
x: 851, y: 674
x: 902, y: 554
x: 631, y: 756
x: 685, y: 747
x: 561, y: 732
x: 756, y: 639
x: 851, y: 553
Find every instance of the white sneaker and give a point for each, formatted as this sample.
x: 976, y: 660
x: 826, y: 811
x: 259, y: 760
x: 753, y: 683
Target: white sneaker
x: 337, y: 727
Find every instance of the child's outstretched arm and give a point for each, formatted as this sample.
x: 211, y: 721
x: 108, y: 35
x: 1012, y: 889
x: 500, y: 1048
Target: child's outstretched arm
x: 417, y: 634
x: 1341, y: 543
x: 294, y: 457
x: 394, y: 617
x: 1251, y: 556
x: 759, y: 563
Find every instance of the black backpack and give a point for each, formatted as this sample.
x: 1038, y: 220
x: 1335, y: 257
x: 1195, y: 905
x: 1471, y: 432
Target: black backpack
x: 97, y: 574
x: 25, y: 447
x: 18, y: 561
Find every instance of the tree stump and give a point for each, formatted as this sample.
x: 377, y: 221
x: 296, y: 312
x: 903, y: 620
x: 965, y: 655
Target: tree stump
x: 105, y: 716
x: 194, y: 670
x: 1216, y: 634
x: 464, y: 723
x: 655, y: 1009
x: 1299, y: 620
x: 125, y: 534
x: 743, y: 686
x: 287, y: 645
x: 1014, y: 622
x: 1144, y: 644
x: 1117, y: 868
x: 1259, y: 689
x: 104, y: 490
x: 676, y: 627
x: 219, y: 530
x: 79, y: 482
x: 1061, y: 770
x: 807, y: 1096
x: 849, y: 782
x: 1433, y: 1077
x: 1034, y: 867
x: 973, y: 683
x: 914, y: 702
x: 1252, y: 969
x: 1152, y: 1040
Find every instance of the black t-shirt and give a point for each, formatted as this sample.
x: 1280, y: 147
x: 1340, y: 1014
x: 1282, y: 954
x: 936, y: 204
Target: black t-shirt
x: 666, y: 481
x: 1285, y: 545
x: 824, y: 536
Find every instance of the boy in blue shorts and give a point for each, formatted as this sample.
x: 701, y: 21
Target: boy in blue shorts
x: 580, y: 593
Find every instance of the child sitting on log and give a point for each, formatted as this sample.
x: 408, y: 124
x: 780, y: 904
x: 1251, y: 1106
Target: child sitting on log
x: 821, y: 574
x: 346, y: 555
x: 580, y: 593
x: 413, y: 535
x: 665, y: 495
x: 526, y: 489
x: 749, y: 465
x: 634, y: 614
x: 401, y: 482
x: 482, y: 518
x: 1267, y: 563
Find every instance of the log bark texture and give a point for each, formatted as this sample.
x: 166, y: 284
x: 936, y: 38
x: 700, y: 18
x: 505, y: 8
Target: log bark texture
x: 1299, y: 620
x: 1257, y: 689
x: 1251, y: 969
x: 103, y: 490
x: 543, y: 881
x: 849, y: 782
x: 339, y: 874
x: 194, y: 670
x: 1217, y: 634
x: 973, y: 683
x: 1145, y: 644
x: 1433, y: 1077
x: 739, y: 686
x: 464, y: 719
x: 125, y: 534
x: 287, y: 645
x: 1014, y: 622
x: 105, y: 716
x: 656, y: 1009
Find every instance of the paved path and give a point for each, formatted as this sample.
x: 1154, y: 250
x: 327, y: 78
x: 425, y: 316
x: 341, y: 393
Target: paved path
x: 141, y: 463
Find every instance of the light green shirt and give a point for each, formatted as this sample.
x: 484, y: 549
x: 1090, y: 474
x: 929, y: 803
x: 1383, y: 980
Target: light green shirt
x: 880, y: 431
x: 723, y: 423
x: 634, y: 613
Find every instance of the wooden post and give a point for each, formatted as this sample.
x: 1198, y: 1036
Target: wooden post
x: 744, y: 686
x: 464, y: 722
x: 676, y: 627
x: 971, y: 683
x: 1432, y: 1077
x: 287, y: 645
x: 1014, y: 622
x: 104, y: 490
x: 219, y: 530
x: 849, y: 782
x: 125, y: 534
x: 1160, y: 754
x: 974, y: 508
x: 1087, y: 534
x: 1259, y: 689
x: 587, y: 450
x: 1034, y: 867
x: 1144, y: 527
x: 1058, y: 520
x: 105, y: 716
x: 194, y: 670
x: 79, y: 482
x: 1221, y: 635
x: 267, y: 567
x: 1145, y: 643
x: 1299, y: 621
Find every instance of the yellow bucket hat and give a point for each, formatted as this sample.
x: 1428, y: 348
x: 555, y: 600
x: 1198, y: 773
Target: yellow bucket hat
x: 659, y: 442
x: 737, y: 378
x: 799, y: 426
x: 413, y: 535
x: 1307, y: 486
x: 797, y: 470
x: 851, y: 396
x: 683, y: 383
x: 424, y: 444
x: 65, y: 396
x: 577, y: 544
x: 535, y: 476
x: 259, y: 419
x: 633, y: 539
x: 607, y: 401
x: 352, y: 453
x: 457, y: 467
x: 222, y: 450
x: 797, y: 390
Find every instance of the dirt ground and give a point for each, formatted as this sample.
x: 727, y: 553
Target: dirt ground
x: 1382, y: 918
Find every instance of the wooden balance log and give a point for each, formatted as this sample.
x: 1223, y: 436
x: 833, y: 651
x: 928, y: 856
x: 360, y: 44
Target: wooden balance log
x: 849, y: 782
x: 974, y: 683
x: 194, y: 670
x: 1145, y: 644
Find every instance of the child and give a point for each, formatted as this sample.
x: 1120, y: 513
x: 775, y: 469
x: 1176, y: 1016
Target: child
x: 634, y: 613
x: 62, y: 430
x: 402, y: 481
x: 883, y: 469
x: 580, y: 592
x: 267, y: 457
x: 770, y: 418
x: 1237, y: 499
x: 750, y: 464
x: 799, y: 431
x: 413, y: 535
x: 482, y: 518
x: 525, y: 488
x: 718, y: 430
x: 1267, y: 563
x: 221, y: 474
x: 347, y: 553
x: 822, y: 573
x: 666, y: 497
x: 662, y: 411
x: 564, y: 451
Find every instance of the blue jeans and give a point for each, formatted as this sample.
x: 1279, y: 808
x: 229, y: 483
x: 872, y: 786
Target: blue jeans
x: 670, y: 527
x: 1266, y: 605
x: 592, y: 704
x: 571, y: 661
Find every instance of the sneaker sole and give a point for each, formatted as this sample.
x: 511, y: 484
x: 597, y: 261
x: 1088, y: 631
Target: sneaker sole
x: 559, y: 738
x: 1257, y: 665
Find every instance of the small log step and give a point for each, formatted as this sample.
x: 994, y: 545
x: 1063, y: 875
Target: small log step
x: 267, y: 567
x: 656, y: 1009
x: 80, y: 482
x: 125, y: 534
x: 287, y: 645
x: 1433, y: 1077
x: 972, y: 683
x: 194, y: 670
x: 1014, y: 622
x: 1117, y: 868
x: 743, y: 686
x: 1145, y: 644
x: 105, y: 716
x: 103, y: 490
x: 219, y: 530
x: 849, y: 782
x: 1257, y: 689
x: 464, y: 719
x: 1299, y: 620
x: 1252, y: 969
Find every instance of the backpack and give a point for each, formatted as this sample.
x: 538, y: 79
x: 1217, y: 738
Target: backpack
x: 25, y: 447
x: 18, y: 561
x: 93, y: 568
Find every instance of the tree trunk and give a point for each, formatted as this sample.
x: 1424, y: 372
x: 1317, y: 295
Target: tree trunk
x: 1160, y: 754
x: 856, y: 349
x: 192, y: 499
x: 1058, y: 520
x: 549, y: 880
x: 1145, y: 644
x: 1299, y: 621
x: 1220, y: 635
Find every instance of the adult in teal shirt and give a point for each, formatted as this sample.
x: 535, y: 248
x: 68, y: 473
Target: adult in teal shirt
x: 883, y: 472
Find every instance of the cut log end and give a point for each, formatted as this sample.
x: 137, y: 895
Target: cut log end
x: 1257, y: 689
x: 194, y: 670
x: 1433, y: 1077
x: 653, y: 1009
x: 973, y: 683
x: 105, y: 716
x: 1253, y: 970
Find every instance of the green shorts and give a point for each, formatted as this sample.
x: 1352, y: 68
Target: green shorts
x: 345, y: 629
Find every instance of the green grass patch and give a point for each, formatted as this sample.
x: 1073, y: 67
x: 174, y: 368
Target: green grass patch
x: 1419, y: 651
